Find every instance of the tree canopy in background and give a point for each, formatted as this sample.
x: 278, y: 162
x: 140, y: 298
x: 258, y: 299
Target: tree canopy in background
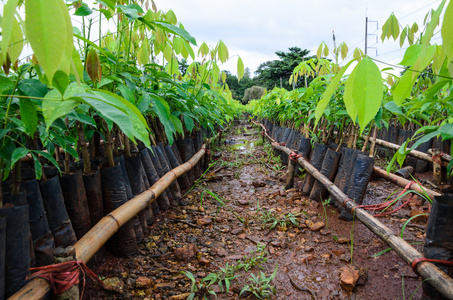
x: 270, y: 74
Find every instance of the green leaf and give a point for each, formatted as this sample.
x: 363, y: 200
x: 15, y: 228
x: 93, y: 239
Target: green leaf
x: 188, y: 122
x: 367, y: 91
x: 222, y: 51
x: 18, y: 153
x: 171, y: 29
x: 240, y: 68
x: 447, y: 31
x: 28, y: 115
x: 83, y: 11
x: 7, y: 25
x: 322, y: 104
x: 411, y: 55
x: 48, y: 157
x: 5, y: 84
x: 54, y: 107
x: 33, y: 88
x: 144, y: 102
x: 93, y: 65
x: 446, y: 131
x: 348, y: 97
x: 163, y: 113
x: 60, y: 81
x: 126, y: 93
x: 177, y: 123
x: 38, y: 167
x: 108, y: 3
x: 47, y: 31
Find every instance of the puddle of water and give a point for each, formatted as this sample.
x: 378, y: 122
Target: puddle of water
x: 242, y: 146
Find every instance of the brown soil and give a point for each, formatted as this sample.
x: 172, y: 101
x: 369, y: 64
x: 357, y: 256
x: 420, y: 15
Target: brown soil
x: 309, y: 262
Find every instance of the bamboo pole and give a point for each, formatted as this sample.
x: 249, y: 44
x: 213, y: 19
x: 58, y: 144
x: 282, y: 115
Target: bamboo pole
x: 402, y: 182
x: 444, y: 156
x: 94, y: 239
x: 414, y: 153
x: 437, y: 278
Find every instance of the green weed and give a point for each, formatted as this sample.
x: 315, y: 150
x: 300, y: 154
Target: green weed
x: 260, y: 285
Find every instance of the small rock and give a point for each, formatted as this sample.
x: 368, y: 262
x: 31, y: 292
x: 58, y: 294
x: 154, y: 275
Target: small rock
x: 258, y: 183
x: 243, y: 202
x: 338, y: 252
x: 186, y: 253
x: 343, y: 240
x: 305, y: 258
x: 165, y: 285
x: 204, y: 221
x: 242, y: 236
x: 315, y: 226
x: 143, y: 282
x: 345, y: 257
x: 236, y: 231
x: 220, y: 252
x: 234, y: 257
x: 114, y: 284
x: 271, y: 250
x: 348, y: 278
x: 309, y: 249
x: 204, y: 261
x: 200, y: 208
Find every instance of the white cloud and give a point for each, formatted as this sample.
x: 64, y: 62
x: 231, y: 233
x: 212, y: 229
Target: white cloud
x: 255, y: 30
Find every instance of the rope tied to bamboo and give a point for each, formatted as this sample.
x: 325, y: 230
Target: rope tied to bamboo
x: 384, y: 205
x: 207, y: 151
x: 294, y: 156
x: 63, y: 276
x: 416, y: 261
x: 437, y: 156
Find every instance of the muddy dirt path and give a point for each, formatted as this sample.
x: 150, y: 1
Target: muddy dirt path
x: 231, y: 224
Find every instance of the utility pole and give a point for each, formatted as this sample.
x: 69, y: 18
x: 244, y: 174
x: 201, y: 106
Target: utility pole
x: 367, y: 34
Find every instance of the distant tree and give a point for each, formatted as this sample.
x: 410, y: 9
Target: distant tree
x: 183, y: 65
x: 238, y: 88
x: 254, y: 92
x: 277, y: 72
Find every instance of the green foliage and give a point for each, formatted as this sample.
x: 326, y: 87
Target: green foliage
x: 260, y: 285
x: 252, y: 93
x: 269, y: 219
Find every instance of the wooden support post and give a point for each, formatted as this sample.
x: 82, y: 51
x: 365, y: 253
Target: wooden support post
x: 437, y: 168
x: 290, y: 174
x: 62, y: 255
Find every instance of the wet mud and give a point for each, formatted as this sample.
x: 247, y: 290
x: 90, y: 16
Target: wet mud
x: 207, y: 232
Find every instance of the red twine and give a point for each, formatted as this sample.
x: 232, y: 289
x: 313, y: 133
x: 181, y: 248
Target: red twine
x: 63, y: 276
x: 416, y: 261
x: 207, y: 151
x: 384, y: 205
x: 294, y: 156
x: 435, y: 158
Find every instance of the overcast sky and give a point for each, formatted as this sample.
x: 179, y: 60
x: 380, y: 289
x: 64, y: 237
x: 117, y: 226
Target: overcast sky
x: 256, y: 29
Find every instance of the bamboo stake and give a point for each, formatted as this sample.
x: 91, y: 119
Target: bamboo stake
x: 414, y: 153
x: 94, y: 239
x: 437, y: 278
x: 402, y: 182
x: 373, y: 142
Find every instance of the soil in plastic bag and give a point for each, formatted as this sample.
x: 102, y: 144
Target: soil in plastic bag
x: 439, y: 239
x: 161, y: 172
x: 123, y: 242
x: 127, y: 184
x: 329, y: 169
x: 174, y: 186
x: 316, y: 160
x: 153, y: 177
x: 43, y: 242
x: 196, y: 148
x: 304, y: 149
x: 185, y: 148
x: 2, y: 255
x: 363, y: 169
x: 423, y: 165
x: 17, y: 253
x: 133, y: 167
x: 174, y: 163
x: 57, y: 216
x: 93, y: 192
x: 76, y: 203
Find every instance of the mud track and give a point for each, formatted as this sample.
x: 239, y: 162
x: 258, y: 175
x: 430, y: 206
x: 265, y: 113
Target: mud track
x: 202, y: 235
